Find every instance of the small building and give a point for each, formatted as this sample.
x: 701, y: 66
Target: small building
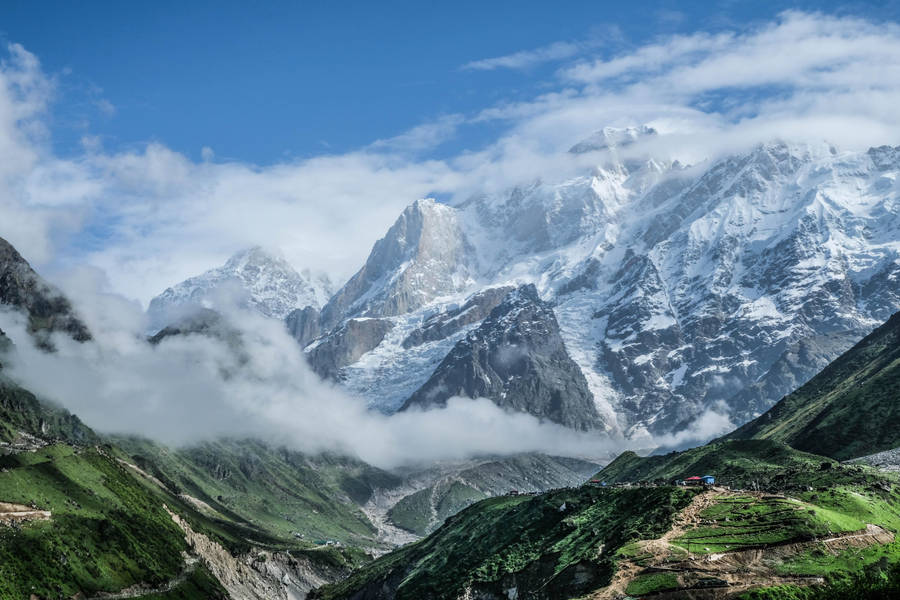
x: 698, y: 480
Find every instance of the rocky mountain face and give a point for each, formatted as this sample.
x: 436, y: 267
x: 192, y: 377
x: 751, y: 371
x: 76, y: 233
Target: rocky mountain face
x: 517, y: 358
x: 253, y: 278
x: 848, y: 410
x: 424, y: 255
x: 22, y: 415
x: 303, y: 324
x: 48, y: 310
x: 346, y: 344
x: 677, y: 289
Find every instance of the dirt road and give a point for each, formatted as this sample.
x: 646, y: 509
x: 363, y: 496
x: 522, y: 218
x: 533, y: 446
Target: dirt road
x: 19, y: 513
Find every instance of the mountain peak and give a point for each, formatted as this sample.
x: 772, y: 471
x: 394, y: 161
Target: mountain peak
x: 677, y: 290
x: 610, y: 138
x: 47, y: 308
x: 251, y: 255
x: 253, y: 277
x: 423, y: 255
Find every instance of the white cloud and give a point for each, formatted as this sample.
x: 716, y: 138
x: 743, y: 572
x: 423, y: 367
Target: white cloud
x: 422, y: 137
x: 194, y: 387
x: 527, y: 58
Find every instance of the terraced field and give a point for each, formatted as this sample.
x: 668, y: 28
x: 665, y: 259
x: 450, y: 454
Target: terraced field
x: 725, y: 543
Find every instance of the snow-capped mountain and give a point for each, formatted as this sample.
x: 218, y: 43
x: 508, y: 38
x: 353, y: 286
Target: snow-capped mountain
x: 676, y: 289
x: 424, y: 255
x: 252, y: 277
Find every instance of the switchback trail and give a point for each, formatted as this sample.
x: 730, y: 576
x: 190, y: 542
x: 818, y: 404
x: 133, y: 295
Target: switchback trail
x: 736, y: 571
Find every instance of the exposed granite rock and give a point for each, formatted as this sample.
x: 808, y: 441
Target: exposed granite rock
x: 346, y: 345
x: 889, y: 460
x: 799, y: 362
x: 442, y: 325
x: 261, y: 574
x: 516, y: 358
x: 47, y: 309
x: 423, y: 255
x: 303, y: 324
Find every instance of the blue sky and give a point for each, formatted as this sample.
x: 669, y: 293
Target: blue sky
x: 322, y: 122
x: 270, y: 82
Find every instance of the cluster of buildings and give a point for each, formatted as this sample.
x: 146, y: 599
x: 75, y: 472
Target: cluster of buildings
x: 697, y: 480
x: 694, y: 480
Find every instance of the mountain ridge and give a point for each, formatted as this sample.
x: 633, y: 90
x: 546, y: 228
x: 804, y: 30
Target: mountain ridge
x: 47, y: 309
x: 677, y: 289
x: 252, y: 277
x: 848, y: 410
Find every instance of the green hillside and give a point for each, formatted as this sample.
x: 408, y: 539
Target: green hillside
x: 20, y: 411
x: 106, y: 531
x: 420, y: 510
x: 850, y: 409
x: 95, y: 523
x: 642, y: 540
x: 552, y: 541
x: 285, y: 493
x: 764, y: 464
x: 807, y: 520
x: 426, y: 509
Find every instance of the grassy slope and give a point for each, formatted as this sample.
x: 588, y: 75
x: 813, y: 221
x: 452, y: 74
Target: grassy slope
x: 199, y: 584
x: 527, y: 543
x: 743, y: 523
x: 740, y: 464
x: 412, y: 512
x: 20, y: 410
x: 879, y: 583
x: 109, y: 528
x: 279, y: 491
x: 850, y: 409
x: 526, y: 536
x: 106, y: 532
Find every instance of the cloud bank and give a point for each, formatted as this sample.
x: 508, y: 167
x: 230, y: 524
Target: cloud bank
x: 151, y: 217
x: 190, y: 388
